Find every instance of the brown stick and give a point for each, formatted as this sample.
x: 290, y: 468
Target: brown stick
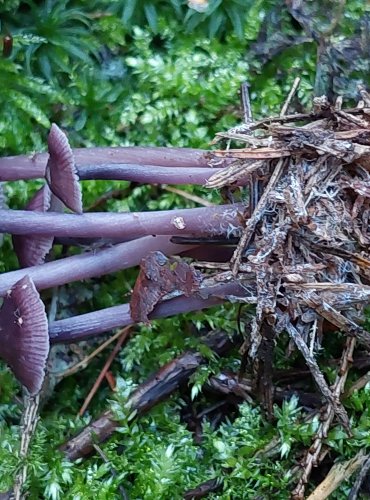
x: 293, y: 90
x: 158, y: 387
x: 188, y: 196
x: 81, y: 365
x: 312, y: 457
x: 339, y: 473
x: 353, y: 494
x: 125, y: 333
x: 255, y: 217
x: 30, y: 419
x: 204, y: 489
x: 332, y: 399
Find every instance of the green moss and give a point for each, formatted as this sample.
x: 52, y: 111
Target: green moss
x: 158, y: 74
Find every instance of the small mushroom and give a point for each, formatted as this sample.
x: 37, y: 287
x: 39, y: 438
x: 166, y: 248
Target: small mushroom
x: 61, y: 173
x: 24, y: 336
x: 31, y: 250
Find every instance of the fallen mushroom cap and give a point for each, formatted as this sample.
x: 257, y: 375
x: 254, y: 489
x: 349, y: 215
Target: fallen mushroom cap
x: 61, y: 173
x: 32, y: 250
x: 24, y: 336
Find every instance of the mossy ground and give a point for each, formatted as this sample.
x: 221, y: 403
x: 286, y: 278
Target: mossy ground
x: 111, y: 77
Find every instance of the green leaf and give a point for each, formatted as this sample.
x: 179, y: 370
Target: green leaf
x: 45, y: 66
x: 236, y: 18
x: 215, y: 23
x: 213, y: 6
x: 128, y: 10
x: 27, y: 105
x: 151, y: 15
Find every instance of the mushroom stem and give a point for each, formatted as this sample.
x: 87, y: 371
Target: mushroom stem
x: 97, y: 322
x: 217, y: 220
x: 91, y: 264
x: 14, y: 168
x: 149, y: 174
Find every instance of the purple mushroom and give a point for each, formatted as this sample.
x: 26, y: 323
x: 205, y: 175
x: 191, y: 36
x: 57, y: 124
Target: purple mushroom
x: 24, y: 336
x: 61, y: 173
x: 31, y: 250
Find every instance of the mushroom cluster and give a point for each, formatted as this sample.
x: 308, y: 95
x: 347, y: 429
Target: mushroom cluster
x: 301, y: 256
x: 55, y: 214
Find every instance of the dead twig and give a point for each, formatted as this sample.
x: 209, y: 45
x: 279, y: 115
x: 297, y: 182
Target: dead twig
x: 246, y: 103
x: 158, y: 387
x: 293, y: 90
x: 123, y: 337
x: 81, y: 365
x: 313, y: 454
x: 363, y: 462
x: 358, y: 385
x: 188, y: 196
x: 339, y: 473
x: 365, y: 96
x: 241, y: 132
x: 330, y: 397
x: 204, y: 489
x: 255, y: 218
x: 29, y: 425
x: 234, y: 172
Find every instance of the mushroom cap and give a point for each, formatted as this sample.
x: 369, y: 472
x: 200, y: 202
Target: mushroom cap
x: 61, y: 173
x: 24, y: 336
x: 32, y: 250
